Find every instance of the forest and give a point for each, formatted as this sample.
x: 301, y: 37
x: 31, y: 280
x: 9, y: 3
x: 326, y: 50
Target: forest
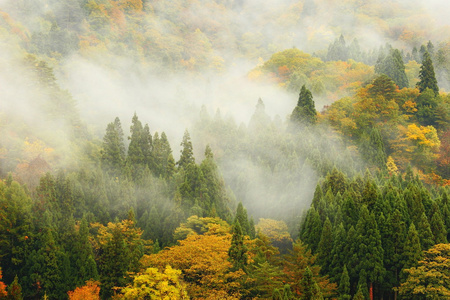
x: 224, y: 149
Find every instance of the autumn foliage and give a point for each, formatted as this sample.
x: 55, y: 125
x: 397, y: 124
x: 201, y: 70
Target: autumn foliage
x: 90, y: 291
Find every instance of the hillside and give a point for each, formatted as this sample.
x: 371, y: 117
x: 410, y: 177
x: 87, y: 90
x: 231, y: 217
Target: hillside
x: 224, y: 149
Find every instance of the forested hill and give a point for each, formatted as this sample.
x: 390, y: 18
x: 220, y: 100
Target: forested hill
x: 226, y: 149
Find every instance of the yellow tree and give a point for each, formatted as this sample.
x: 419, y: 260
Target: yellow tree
x: 152, y: 284
x: 431, y: 279
x: 203, y: 261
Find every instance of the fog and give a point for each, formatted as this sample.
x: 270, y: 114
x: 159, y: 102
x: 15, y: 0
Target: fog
x: 109, y: 84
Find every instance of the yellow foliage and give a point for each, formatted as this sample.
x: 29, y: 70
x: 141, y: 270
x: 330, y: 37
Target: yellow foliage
x: 151, y: 284
x: 203, y: 260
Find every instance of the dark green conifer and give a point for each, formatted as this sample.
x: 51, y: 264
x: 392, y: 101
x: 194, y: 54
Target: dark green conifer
x: 412, y: 251
x: 187, y: 152
x: 238, y: 251
x: 427, y: 76
x: 305, y: 111
x: 344, y: 285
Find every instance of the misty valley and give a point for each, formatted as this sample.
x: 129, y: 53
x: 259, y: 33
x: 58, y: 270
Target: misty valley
x: 224, y: 149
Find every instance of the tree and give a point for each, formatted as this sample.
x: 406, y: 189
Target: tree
x: 392, y: 66
x: 310, y: 289
x: 238, y: 251
x: 431, y: 278
x: 204, y: 263
x: 152, y: 284
x: 90, y: 291
x: 294, y: 268
x: 187, y: 153
x: 413, y: 250
x: 427, y: 76
x: 344, y: 285
x: 15, y: 290
x: 305, y: 111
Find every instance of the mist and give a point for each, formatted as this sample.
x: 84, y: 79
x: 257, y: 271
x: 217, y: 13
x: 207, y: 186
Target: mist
x: 112, y: 79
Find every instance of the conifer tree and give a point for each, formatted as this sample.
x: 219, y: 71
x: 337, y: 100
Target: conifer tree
x: 238, y: 251
x: 242, y: 217
x: 187, y: 152
x: 305, y: 111
x: 310, y: 289
x: 438, y: 228
x: 370, y: 251
x: 344, y: 285
x: 112, y: 152
x: 425, y: 233
x: 392, y: 65
x: 427, y: 76
x: 325, y: 247
x: 413, y: 250
x: 137, y: 139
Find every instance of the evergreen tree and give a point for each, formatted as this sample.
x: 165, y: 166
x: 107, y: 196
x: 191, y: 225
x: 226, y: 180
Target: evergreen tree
x: 413, y: 250
x: 242, y: 217
x: 310, y: 289
x: 187, y: 153
x: 325, y: 247
x: 427, y: 76
x: 305, y: 111
x: 238, y: 251
x: 113, y: 150
x: 138, y: 140
x: 425, y: 233
x: 370, y: 251
x: 438, y: 228
x: 372, y: 148
x: 392, y: 65
x: 344, y: 285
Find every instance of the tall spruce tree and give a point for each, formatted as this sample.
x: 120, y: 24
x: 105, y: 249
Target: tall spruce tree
x: 392, y: 65
x: 238, y: 251
x: 427, y: 76
x: 187, y: 152
x: 305, y: 111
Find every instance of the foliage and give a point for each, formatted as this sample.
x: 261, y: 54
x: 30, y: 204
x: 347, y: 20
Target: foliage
x: 151, y: 284
x: 430, y: 279
x: 90, y: 291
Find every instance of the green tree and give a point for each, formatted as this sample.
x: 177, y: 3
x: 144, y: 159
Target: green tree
x: 310, y: 288
x: 413, y: 250
x: 427, y: 76
x: 187, y: 152
x: 238, y: 250
x: 344, y: 285
x: 305, y: 111
x: 392, y: 66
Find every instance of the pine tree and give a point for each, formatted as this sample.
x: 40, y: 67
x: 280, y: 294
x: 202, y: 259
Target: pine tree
x: 187, y: 153
x: 325, y: 247
x: 305, y: 111
x: 412, y: 251
x: 425, y: 233
x: 370, y: 251
x: 427, y: 76
x: 310, y: 289
x: 112, y: 152
x: 392, y: 65
x: 136, y: 149
x: 238, y: 251
x: 242, y: 217
x: 344, y: 285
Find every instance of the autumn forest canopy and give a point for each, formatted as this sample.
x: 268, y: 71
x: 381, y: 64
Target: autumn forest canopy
x: 224, y: 149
